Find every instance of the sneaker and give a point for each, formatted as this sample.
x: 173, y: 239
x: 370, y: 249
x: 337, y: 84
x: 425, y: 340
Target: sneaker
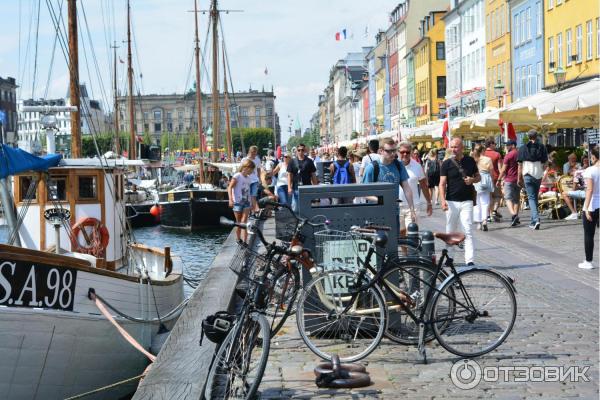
x: 518, y: 221
x: 571, y: 217
x: 484, y: 227
x: 535, y: 225
x: 586, y: 265
x: 526, y: 207
x: 489, y: 219
x: 496, y: 214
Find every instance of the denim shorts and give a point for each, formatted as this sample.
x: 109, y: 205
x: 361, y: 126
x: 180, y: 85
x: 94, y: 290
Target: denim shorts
x: 240, y: 207
x: 577, y: 194
x: 254, y: 189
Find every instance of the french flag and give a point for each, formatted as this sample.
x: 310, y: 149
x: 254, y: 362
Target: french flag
x: 341, y: 35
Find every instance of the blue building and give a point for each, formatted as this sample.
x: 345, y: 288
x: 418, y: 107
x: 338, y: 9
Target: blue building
x: 527, y: 47
x: 372, y: 93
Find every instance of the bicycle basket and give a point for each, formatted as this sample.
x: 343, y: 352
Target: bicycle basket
x: 216, y: 327
x: 248, y: 264
x: 339, y: 249
x: 285, y: 224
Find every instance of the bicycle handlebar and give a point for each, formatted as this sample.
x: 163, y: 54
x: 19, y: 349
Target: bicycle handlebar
x: 269, y: 202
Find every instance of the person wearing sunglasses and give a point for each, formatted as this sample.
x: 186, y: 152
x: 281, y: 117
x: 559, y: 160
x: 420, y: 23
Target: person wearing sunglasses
x: 301, y: 171
x: 389, y: 169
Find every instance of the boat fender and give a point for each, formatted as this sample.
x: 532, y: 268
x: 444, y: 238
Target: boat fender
x: 96, y: 243
x: 337, y: 376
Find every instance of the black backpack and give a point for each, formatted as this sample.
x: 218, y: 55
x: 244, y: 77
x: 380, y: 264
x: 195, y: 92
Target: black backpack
x: 376, y: 168
x: 433, y: 168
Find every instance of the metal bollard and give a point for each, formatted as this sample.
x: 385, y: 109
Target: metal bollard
x: 427, y: 244
x: 412, y: 234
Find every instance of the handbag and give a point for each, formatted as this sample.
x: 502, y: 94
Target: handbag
x: 462, y: 173
x: 485, y: 184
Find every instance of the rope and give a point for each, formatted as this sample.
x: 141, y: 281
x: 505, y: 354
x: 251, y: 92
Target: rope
x: 123, y: 332
x: 107, y: 387
x: 134, y: 319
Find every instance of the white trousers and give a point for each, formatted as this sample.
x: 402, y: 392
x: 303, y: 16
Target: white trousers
x: 482, y: 209
x: 461, y: 212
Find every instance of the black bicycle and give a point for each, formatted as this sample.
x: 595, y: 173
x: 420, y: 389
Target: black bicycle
x: 470, y: 311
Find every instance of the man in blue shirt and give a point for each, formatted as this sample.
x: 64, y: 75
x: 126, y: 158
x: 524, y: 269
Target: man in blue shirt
x: 389, y: 169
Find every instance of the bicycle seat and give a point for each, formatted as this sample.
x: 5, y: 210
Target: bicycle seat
x: 452, y: 238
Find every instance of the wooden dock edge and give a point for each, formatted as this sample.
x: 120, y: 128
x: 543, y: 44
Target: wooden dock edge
x: 182, y: 365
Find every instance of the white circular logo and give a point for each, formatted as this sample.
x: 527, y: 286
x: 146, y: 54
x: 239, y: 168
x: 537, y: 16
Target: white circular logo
x: 465, y: 374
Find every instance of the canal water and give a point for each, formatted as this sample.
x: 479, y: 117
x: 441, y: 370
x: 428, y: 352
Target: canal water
x: 196, y: 249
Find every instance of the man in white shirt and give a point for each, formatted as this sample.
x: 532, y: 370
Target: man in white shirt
x: 571, y: 165
x: 371, y: 156
x: 416, y: 178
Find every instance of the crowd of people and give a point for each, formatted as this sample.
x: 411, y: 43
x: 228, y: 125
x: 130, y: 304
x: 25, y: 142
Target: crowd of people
x: 469, y: 186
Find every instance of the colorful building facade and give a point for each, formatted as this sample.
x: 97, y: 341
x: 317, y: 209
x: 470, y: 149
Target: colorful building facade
x: 497, y: 56
x: 572, y: 40
x: 430, y: 69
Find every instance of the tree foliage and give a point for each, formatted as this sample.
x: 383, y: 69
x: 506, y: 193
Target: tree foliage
x: 260, y: 137
x: 310, y: 139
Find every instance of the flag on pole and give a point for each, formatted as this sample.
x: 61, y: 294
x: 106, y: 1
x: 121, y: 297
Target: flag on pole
x: 341, y: 35
x: 366, y: 31
x: 121, y: 61
x: 266, y: 71
x: 510, y: 130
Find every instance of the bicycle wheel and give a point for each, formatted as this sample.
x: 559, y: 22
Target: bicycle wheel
x: 407, y: 280
x: 240, y: 362
x: 483, y: 314
x: 282, y: 296
x: 333, y: 321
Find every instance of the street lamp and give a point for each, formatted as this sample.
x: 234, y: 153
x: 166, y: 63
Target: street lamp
x: 499, y: 91
x: 559, y: 76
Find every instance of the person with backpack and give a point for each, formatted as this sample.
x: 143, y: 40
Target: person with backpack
x: 432, y: 171
x: 389, y: 169
x: 342, y: 172
x: 372, y: 155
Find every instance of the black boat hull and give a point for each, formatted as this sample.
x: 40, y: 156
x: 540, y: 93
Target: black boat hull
x: 139, y: 215
x: 193, y: 209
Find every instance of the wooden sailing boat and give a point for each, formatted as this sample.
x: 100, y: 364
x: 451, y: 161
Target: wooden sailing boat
x: 201, y: 204
x: 66, y: 222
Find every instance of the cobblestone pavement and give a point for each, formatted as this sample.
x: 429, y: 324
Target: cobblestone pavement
x: 557, y: 325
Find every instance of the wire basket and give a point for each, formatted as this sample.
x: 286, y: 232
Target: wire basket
x: 285, y: 224
x: 339, y: 249
x: 248, y: 264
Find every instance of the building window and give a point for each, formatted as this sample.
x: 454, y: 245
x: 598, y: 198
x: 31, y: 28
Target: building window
x: 157, y: 127
x: 517, y: 85
x: 488, y: 26
x: 523, y: 27
x: 559, y: 50
x: 528, y: 23
x: 579, y: 42
x: 540, y: 79
x: 169, y: 116
x: 257, y: 111
x: 550, y: 4
x: 170, y: 126
x: 590, y: 40
x: 57, y: 188
x: 440, y: 51
x: 146, y: 127
x: 146, y: 115
x: 157, y: 115
x: 532, y: 80
x: 87, y: 188
x: 558, y: 2
x: 516, y: 30
x: 597, y: 37
x: 550, y: 53
x: 538, y: 7
x: 569, y: 46
x: 524, y: 82
x: 180, y: 127
x: 502, y: 19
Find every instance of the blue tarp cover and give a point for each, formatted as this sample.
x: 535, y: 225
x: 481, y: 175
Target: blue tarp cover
x: 13, y: 161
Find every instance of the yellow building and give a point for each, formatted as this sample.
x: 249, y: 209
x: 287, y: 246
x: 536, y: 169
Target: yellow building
x: 430, y: 69
x: 572, y: 40
x: 497, y: 49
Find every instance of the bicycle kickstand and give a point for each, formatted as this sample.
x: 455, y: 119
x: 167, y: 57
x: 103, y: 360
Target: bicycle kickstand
x: 421, y: 346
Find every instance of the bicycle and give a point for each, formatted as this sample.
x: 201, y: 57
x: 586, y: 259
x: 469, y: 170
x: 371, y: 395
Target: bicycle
x: 345, y: 312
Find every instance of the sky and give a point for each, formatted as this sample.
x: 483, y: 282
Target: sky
x: 294, y: 40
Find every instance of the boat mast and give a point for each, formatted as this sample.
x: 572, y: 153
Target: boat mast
x: 214, y: 14
x: 132, y: 141
x: 229, y: 154
x: 74, y: 81
x: 116, y: 107
x: 199, y: 95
